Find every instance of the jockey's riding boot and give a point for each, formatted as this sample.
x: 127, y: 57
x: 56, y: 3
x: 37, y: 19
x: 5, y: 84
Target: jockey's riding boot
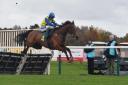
x: 46, y: 36
x: 48, y: 44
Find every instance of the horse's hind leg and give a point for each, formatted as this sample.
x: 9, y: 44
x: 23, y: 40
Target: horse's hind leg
x: 25, y: 50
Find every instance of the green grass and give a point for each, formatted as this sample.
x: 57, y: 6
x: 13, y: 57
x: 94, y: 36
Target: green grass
x: 72, y: 74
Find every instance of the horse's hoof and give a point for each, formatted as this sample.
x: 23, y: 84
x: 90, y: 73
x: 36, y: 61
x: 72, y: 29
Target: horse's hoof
x: 70, y: 60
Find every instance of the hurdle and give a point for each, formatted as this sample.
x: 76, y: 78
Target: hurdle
x: 13, y: 63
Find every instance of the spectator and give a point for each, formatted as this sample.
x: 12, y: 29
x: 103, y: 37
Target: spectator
x: 90, y: 57
x: 111, y: 54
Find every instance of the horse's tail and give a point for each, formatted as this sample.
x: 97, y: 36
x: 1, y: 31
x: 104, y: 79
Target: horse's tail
x: 20, y: 38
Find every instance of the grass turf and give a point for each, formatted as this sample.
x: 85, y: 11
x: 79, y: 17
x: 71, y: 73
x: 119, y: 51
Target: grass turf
x: 72, y: 74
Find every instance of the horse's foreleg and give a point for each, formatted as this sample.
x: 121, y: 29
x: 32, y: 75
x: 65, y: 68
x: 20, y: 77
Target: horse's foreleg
x: 62, y: 48
x: 65, y: 52
x: 69, y: 51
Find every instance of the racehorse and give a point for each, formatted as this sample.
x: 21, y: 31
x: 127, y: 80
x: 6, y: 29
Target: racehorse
x: 33, y: 38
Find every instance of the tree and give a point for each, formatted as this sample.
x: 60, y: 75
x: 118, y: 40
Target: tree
x: 16, y: 27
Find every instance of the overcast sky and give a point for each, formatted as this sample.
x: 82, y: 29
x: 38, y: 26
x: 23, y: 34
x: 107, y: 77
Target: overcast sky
x: 111, y: 15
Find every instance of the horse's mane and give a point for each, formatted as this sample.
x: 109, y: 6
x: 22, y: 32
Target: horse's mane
x: 67, y: 22
x: 63, y: 24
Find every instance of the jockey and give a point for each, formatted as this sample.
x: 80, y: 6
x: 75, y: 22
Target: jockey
x: 48, y: 22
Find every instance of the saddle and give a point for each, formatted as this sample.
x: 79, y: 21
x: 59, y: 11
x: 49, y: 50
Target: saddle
x: 47, y: 34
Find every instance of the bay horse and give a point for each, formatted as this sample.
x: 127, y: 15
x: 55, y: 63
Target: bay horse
x: 56, y: 41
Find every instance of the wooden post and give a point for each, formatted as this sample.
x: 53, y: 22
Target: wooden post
x: 59, y: 63
x: 21, y: 65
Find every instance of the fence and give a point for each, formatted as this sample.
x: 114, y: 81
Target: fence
x: 8, y: 38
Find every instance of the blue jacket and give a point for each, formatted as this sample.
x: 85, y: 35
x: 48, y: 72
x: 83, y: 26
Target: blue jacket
x: 48, y: 22
x: 111, y: 52
x: 91, y: 54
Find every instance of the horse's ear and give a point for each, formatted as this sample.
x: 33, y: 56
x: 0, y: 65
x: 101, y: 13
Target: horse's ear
x: 73, y: 21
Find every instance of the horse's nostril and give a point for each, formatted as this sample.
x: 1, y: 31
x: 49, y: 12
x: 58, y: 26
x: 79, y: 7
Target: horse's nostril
x: 77, y: 37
